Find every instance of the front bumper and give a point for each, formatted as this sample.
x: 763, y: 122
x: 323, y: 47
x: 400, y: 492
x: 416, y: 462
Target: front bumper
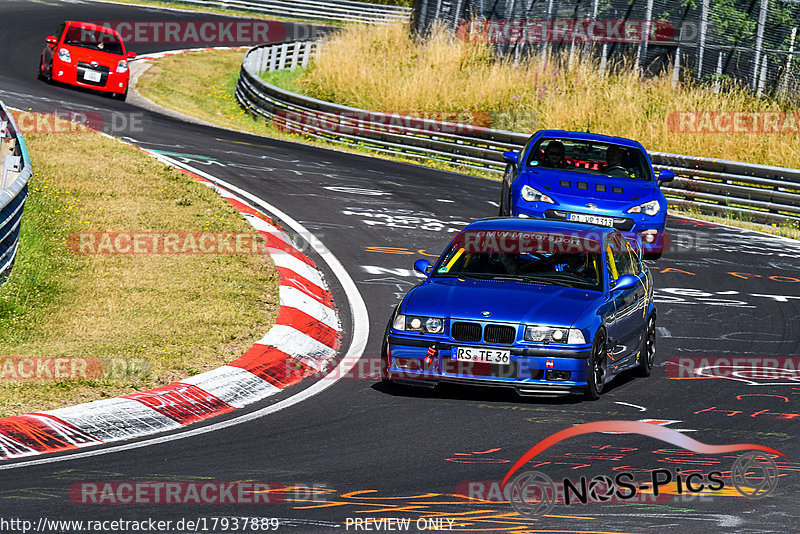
x: 532, y: 371
x: 112, y: 82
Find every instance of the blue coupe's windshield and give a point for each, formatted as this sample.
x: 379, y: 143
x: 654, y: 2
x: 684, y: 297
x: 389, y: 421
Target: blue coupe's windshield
x: 589, y: 157
x: 572, y: 261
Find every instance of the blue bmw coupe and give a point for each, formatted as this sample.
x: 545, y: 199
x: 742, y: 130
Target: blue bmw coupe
x: 544, y: 307
x: 588, y: 178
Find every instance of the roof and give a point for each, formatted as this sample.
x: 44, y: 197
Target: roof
x: 90, y: 26
x: 588, y: 136
x: 537, y: 225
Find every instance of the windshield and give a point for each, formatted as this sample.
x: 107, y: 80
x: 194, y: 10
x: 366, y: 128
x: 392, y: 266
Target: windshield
x: 571, y: 261
x: 94, y: 40
x: 590, y: 157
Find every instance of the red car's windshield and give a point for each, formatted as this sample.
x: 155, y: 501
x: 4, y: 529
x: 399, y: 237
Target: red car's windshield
x: 94, y: 40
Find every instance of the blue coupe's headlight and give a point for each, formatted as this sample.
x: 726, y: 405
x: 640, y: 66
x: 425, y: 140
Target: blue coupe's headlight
x: 550, y: 334
x: 534, y: 195
x: 414, y: 323
x: 648, y: 208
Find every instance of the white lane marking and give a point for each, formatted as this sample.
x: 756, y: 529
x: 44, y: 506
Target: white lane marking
x: 640, y: 408
x: 445, y: 200
x: 663, y: 332
x: 360, y: 328
x: 233, y: 385
x: 493, y: 203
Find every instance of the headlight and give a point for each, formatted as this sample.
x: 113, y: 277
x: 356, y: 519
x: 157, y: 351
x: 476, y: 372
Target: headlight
x: 413, y: 323
x: 648, y: 208
x: 63, y: 55
x: 533, y: 195
x: 549, y: 334
x: 122, y: 66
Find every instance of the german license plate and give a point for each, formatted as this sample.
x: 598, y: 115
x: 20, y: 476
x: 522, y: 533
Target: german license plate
x: 91, y: 75
x: 483, y: 355
x: 591, y: 219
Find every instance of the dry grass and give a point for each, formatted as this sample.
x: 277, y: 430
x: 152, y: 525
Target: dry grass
x: 384, y: 68
x: 150, y: 319
x: 203, y: 84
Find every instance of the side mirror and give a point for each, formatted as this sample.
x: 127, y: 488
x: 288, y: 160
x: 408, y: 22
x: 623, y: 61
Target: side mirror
x: 423, y: 266
x: 626, y: 281
x: 51, y: 40
x: 665, y: 175
x: 131, y: 55
x: 511, y: 157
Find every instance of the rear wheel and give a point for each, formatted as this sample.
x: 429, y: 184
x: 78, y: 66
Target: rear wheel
x: 647, y: 353
x: 596, y: 376
x: 504, y: 210
x: 385, y: 356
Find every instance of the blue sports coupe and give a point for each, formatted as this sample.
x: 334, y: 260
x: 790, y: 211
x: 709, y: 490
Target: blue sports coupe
x: 544, y: 307
x: 588, y: 178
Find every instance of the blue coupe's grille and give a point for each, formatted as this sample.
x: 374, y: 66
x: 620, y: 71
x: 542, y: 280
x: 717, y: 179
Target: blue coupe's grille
x: 501, y: 334
x: 470, y: 332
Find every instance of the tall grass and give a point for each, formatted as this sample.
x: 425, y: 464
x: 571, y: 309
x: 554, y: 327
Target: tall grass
x: 385, y: 68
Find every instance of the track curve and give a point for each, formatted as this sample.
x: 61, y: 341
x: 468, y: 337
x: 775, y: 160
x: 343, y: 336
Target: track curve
x: 373, y: 453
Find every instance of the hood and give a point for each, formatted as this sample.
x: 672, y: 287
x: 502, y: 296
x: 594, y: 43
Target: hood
x: 619, y: 192
x: 513, y: 302
x: 86, y: 55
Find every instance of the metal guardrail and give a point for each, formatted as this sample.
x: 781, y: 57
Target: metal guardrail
x: 16, y: 171
x: 758, y: 193
x: 338, y: 10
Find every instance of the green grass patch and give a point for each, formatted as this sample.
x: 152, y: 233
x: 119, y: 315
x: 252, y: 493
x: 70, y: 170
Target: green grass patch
x: 150, y: 319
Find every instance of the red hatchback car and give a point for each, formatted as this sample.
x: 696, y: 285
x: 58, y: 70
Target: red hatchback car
x: 87, y: 55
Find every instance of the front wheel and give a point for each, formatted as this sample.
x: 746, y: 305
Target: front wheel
x: 647, y: 353
x: 596, y: 377
x: 505, y: 209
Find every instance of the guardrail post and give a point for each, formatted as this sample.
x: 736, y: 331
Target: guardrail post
x: 273, y: 57
x: 718, y: 73
x: 295, y: 55
x: 282, y: 56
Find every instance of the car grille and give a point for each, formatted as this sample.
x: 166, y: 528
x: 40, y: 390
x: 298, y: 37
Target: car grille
x: 83, y: 67
x: 500, y: 334
x: 470, y: 332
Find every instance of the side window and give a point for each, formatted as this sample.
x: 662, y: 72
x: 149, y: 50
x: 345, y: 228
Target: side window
x: 636, y: 265
x: 60, y: 32
x: 621, y: 258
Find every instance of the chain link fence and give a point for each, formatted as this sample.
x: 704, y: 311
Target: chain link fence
x: 753, y: 43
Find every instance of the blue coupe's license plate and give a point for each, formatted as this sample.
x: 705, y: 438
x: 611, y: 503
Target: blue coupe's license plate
x: 591, y: 219
x: 483, y: 355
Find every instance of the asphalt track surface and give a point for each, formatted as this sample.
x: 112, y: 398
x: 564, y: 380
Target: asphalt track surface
x: 373, y: 453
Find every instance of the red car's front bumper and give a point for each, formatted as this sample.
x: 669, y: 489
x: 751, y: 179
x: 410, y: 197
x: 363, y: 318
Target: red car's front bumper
x: 74, y: 74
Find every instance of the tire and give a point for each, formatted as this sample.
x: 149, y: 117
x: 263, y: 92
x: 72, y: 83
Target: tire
x: 503, y: 210
x: 647, y: 353
x: 40, y: 73
x: 385, y: 380
x: 597, y: 368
